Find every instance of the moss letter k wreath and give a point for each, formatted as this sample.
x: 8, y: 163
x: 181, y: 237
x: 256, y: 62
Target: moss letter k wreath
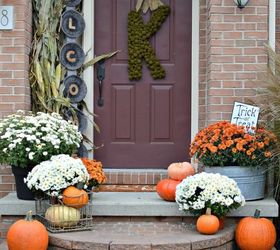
x: 139, y: 47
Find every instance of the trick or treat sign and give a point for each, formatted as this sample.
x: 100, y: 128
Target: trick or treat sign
x: 245, y: 115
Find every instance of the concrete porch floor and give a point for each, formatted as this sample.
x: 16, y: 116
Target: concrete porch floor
x: 137, y: 204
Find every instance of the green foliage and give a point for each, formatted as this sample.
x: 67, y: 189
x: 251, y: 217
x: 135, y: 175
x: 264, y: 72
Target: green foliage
x: 139, y: 47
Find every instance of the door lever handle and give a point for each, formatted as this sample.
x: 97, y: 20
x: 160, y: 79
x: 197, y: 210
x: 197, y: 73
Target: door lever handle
x: 100, y: 73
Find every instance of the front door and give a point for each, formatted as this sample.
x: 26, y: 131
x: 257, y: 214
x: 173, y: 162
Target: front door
x: 145, y: 123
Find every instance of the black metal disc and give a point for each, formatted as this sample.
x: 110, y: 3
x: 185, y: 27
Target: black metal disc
x: 72, y: 56
x: 74, y: 88
x: 72, y: 24
x: 72, y: 3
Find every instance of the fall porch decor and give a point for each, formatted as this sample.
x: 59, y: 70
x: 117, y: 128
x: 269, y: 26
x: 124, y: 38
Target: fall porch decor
x: 139, y: 47
x: 180, y: 170
x: 166, y: 189
x: 205, y: 190
x: 230, y: 150
x: 255, y: 233
x: 207, y: 223
x: 27, y: 234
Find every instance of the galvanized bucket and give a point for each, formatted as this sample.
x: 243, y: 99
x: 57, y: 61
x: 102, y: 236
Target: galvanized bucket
x: 251, y: 181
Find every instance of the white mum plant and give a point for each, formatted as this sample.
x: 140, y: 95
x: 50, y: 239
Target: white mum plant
x: 206, y: 190
x: 26, y: 140
x: 53, y: 176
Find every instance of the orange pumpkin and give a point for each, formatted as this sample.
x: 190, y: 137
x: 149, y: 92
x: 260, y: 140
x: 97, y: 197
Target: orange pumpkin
x: 27, y: 234
x: 166, y: 189
x: 255, y: 233
x: 74, y: 197
x: 180, y: 170
x: 207, y: 223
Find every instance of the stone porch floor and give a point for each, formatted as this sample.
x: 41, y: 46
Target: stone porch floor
x: 140, y: 220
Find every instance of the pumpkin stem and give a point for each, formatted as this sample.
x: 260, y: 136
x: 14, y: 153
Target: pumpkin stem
x: 257, y: 213
x: 28, y: 216
x: 208, y: 211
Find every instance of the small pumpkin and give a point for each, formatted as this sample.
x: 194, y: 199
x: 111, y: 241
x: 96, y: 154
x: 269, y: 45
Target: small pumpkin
x: 180, y: 170
x: 255, y: 233
x: 62, y: 216
x: 207, y: 223
x: 74, y: 197
x: 166, y: 189
x: 27, y: 234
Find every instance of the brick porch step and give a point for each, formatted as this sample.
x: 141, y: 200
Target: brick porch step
x: 134, y: 235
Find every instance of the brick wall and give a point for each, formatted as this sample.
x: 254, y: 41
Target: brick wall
x: 277, y: 37
x: 14, y: 61
x: 202, y: 64
x: 235, y: 54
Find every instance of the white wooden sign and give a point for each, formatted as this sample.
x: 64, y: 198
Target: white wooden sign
x: 6, y: 17
x: 245, y: 115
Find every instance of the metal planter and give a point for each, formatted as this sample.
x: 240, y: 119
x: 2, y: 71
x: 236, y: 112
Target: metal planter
x: 251, y: 181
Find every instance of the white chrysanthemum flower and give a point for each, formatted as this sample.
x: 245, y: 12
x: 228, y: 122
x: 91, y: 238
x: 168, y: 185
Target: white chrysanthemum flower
x: 56, y: 174
x: 205, y: 189
x: 24, y: 133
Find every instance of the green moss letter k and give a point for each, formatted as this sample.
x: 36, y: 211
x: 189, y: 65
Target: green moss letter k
x: 139, y: 47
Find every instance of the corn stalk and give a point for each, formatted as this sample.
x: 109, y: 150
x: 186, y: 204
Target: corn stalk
x: 145, y: 5
x: 46, y: 72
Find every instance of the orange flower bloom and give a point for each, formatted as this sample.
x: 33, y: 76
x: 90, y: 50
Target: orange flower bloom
x: 222, y: 146
x: 249, y: 152
x: 267, y: 154
x: 239, y: 146
x: 260, y: 145
x: 234, y: 150
x: 213, y: 149
x: 95, y: 170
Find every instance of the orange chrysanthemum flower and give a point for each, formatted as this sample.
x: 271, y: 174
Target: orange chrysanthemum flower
x: 225, y: 144
x: 95, y: 170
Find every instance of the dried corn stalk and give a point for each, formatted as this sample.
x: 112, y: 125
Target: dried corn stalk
x: 46, y: 72
x: 145, y: 5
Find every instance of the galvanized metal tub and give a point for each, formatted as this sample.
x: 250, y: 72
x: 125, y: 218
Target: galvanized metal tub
x: 251, y: 181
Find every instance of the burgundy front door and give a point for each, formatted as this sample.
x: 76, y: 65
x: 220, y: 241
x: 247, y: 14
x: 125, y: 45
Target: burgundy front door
x: 146, y: 123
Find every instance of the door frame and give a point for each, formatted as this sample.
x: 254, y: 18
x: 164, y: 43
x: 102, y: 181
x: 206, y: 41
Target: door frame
x: 88, y: 42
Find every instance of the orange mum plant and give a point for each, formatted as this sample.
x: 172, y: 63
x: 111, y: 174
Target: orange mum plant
x: 226, y: 144
x: 95, y: 170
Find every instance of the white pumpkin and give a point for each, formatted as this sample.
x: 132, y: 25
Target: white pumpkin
x: 62, y: 216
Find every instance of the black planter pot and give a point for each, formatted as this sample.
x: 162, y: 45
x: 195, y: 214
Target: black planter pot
x: 23, y: 192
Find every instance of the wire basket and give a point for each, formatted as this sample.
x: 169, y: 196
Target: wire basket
x: 57, y: 217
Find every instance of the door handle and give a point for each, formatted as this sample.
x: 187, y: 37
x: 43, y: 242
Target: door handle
x: 100, y: 73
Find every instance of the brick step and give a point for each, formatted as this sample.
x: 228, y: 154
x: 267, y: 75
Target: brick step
x: 135, y: 176
x: 119, y: 235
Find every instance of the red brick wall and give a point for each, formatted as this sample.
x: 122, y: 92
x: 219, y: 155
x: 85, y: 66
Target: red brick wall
x: 235, y: 54
x: 14, y: 61
x: 202, y: 64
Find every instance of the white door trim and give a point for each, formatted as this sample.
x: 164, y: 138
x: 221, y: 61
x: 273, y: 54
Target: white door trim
x: 88, y: 46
